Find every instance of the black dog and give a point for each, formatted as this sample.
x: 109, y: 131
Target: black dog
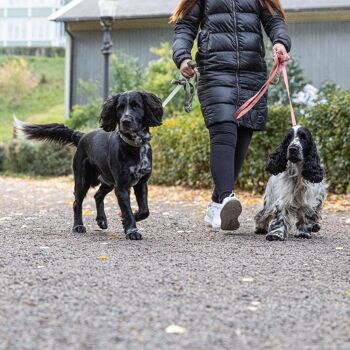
x: 118, y: 157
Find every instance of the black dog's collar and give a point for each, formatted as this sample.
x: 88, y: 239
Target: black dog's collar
x: 130, y: 141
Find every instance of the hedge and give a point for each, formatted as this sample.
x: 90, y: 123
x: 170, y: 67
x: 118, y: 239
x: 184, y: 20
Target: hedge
x: 31, y: 158
x: 329, y: 121
x: 181, y: 148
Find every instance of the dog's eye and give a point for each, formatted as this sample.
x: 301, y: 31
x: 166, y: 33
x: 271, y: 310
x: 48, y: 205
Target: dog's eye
x: 302, y: 136
x: 121, y: 106
x: 134, y: 105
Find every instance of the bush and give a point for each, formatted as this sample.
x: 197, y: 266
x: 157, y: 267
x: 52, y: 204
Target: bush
x: 85, y: 117
x: 41, y: 159
x: 16, y: 82
x: 329, y: 121
x: 181, y: 151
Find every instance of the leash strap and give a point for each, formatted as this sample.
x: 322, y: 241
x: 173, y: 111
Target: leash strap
x: 190, y: 86
x: 248, y: 105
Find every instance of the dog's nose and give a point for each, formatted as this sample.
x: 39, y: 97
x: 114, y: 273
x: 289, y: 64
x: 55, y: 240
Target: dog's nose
x: 126, y: 122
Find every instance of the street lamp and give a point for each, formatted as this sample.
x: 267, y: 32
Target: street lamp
x: 108, y: 11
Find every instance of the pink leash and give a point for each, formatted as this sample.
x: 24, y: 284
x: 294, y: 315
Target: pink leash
x: 279, y: 65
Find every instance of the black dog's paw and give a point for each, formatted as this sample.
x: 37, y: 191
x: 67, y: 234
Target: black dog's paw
x: 139, y: 216
x: 316, y: 228
x: 303, y: 234
x: 260, y: 231
x: 276, y: 236
x: 79, y: 229
x: 133, y: 235
x: 102, y: 223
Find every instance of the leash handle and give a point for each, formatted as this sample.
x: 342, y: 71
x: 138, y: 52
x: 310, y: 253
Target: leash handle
x: 248, y: 105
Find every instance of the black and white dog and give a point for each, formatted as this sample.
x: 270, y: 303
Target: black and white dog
x: 118, y: 157
x: 296, y: 191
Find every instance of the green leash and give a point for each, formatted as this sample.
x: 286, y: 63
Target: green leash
x: 190, y: 86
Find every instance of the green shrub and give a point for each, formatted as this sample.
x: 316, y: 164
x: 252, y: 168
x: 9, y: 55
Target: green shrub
x: 42, y: 159
x: 329, y: 121
x: 181, y: 151
x: 85, y: 117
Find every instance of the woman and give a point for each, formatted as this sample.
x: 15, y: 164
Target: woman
x: 232, y: 69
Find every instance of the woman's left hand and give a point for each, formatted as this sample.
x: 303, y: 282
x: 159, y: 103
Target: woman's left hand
x: 281, y: 52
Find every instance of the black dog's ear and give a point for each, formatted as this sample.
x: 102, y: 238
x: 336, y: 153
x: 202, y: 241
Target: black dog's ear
x: 312, y: 169
x: 108, y: 116
x: 153, y: 109
x: 277, y: 162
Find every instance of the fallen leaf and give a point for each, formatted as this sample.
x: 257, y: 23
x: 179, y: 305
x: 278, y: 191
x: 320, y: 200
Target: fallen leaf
x: 24, y: 226
x: 112, y: 238
x: 103, y: 257
x: 44, y: 247
x: 5, y: 218
x: 247, y: 279
x: 252, y: 308
x: 348, y: 292
x: 339, y: 248
x: 175, y: 329
x: 256, y: 303
x: 88, y: 212
x: 119, y: 213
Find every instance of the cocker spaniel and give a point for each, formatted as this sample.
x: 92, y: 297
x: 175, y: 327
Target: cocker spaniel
x: 296, y: 190
x: 118, y: 157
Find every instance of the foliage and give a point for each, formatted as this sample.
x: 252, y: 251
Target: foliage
x: 37, y: 158
x: 181, y: 152
x: 85, y: 117
x: 41, y: 99
x: 329, y: 120
x: 126, y: 73
x: 16, y: 82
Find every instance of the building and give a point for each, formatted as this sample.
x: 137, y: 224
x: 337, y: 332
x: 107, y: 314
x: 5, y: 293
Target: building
x: 24, y: 23
x: 320, y: 32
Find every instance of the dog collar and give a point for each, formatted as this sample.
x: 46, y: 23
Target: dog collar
x: 130, y: 141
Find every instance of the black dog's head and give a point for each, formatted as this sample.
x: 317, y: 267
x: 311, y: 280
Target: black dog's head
x: 297, y: 146
x: 132, y: 112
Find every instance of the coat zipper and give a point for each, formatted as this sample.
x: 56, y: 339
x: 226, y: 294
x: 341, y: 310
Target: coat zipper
x: 238, y: 55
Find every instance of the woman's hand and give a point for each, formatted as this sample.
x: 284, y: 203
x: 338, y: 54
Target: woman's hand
x: 281, y: 52
x: 185, y: 70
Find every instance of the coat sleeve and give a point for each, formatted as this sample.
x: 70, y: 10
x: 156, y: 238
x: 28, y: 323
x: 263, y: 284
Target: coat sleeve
x: 276, y: 28
x: 186, y: 30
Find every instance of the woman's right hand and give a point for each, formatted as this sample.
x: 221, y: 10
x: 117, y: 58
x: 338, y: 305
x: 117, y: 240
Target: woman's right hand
x: 185, y: 70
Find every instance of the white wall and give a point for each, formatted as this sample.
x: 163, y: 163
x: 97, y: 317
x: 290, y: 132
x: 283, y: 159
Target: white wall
x: 25, y: 23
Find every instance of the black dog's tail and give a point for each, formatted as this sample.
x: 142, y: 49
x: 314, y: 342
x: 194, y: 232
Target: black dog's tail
x: 58, y: 133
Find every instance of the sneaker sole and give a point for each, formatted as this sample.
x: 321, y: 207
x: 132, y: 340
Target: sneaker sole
x: 230, y: 214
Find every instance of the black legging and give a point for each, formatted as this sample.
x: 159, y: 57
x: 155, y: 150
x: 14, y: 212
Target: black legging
x: 228, y: 149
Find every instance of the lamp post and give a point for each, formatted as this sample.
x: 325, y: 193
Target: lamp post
x: 108, y: 10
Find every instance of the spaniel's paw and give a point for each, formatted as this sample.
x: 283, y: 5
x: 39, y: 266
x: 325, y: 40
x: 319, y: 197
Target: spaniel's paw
x: 79, y: 229
x: 133, y: 235
x: 316, y: 228
x: 276, y: 235
x: 303, y: 234
x: 260, y: 231
x: 102, y: 223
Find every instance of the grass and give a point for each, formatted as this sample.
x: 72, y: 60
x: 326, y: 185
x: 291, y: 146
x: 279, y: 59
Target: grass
x: 45, y: 103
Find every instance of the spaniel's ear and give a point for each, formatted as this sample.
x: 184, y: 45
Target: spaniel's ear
x: 153, y: 109
x: 312, y: 169
x: 108, y: 116
x: 277, y: 162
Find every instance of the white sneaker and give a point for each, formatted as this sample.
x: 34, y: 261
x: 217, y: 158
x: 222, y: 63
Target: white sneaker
x: 212, y: 215
x: 230, y: 212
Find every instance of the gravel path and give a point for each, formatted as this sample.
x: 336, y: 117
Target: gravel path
x: 61, y: 290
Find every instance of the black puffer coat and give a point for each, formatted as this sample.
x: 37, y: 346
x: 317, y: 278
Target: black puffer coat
x: 230, y: 55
